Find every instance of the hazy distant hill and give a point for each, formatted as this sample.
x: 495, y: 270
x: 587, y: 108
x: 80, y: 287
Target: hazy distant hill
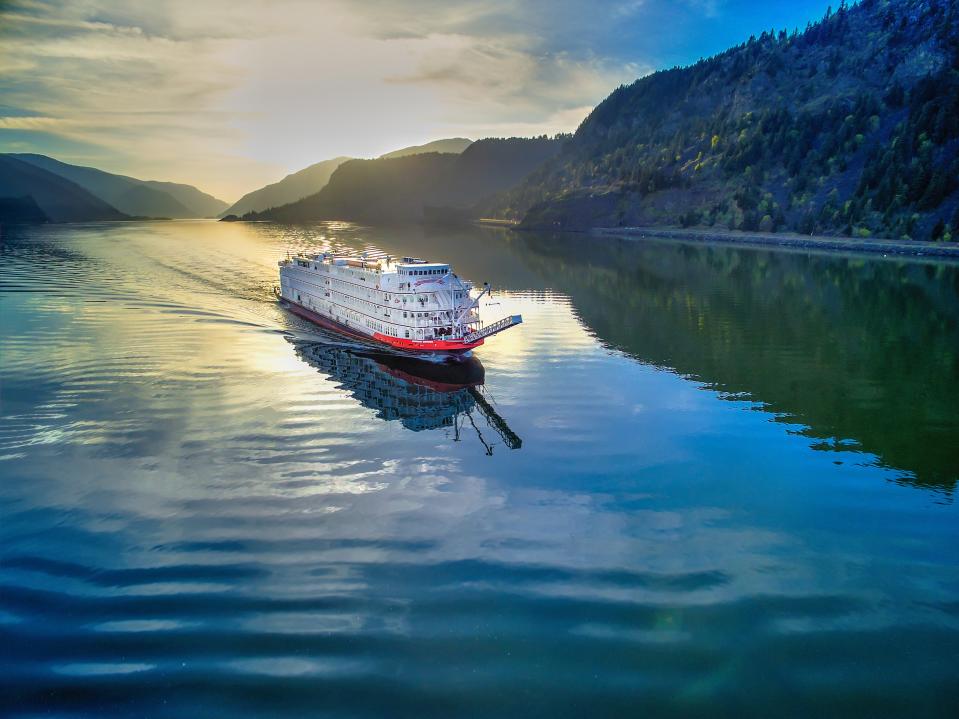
x: 399, y: 188
x: 143, y: 198
x: 290, y: 189
x: 197, y: 202
x: 455, y: 145
x: 59, y: 199
x: 851, y: 126
x: 314, y: 178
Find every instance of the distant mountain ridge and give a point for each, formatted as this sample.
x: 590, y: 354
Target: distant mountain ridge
x: 398, y: 189
x: 291, y: 188
x: 454, y: 145
x: 312, y: 179
x: 138, y: 198
x: 850, y: 127
x: 33, y: 194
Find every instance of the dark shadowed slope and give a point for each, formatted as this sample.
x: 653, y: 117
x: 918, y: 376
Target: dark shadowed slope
x: 142, y: 198
x: 15, y: 210
x: 291, y: 188
x: 314, y: 178
x: 59, y: 199
x: 399, y: 189
x: 849, y: 127
x: 369, y: 191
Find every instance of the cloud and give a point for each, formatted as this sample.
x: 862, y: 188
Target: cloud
x: 231, y: 95
x: 148, y: 101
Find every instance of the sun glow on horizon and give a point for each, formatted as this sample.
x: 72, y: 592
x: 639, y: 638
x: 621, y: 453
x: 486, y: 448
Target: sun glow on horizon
x: 229, y: 96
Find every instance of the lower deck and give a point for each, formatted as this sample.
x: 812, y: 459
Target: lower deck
x: 317, y: 316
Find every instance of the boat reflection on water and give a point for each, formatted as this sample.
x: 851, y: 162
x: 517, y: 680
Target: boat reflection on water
x: 421, y: 395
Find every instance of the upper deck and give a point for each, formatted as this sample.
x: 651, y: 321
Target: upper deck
x: 410, y: 274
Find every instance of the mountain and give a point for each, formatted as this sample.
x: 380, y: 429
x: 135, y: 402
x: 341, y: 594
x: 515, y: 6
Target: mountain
x: 369, y: 191
x: 197, y: 202
x: 399, y: 189
x: 290, y: 189
x: 25, y: 186
x: 140, y: 198
x: 311, y: 180
x: 455, y: 145
x: 850, y: 127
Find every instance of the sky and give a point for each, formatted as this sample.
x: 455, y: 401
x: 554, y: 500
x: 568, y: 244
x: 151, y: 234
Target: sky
x: 229, y: 95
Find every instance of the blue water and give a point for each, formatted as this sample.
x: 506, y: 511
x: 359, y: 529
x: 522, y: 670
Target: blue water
x: 697, y: 481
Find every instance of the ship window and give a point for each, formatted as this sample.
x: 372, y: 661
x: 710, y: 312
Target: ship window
x: 407, y: 333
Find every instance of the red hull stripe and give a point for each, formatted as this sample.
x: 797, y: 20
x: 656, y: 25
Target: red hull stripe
x: 428, y: 345
x: 398, y: 342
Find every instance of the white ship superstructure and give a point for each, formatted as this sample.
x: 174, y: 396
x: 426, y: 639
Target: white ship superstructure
x: 412, y: 304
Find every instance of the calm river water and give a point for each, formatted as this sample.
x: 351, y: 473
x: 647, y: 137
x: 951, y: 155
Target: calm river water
x: 697, y: 481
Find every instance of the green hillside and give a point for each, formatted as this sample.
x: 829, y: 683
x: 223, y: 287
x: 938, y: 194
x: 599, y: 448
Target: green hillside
x: 849, y: 127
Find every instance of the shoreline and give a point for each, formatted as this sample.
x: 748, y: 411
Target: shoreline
x: 914, y: 248
x: 874, y: 245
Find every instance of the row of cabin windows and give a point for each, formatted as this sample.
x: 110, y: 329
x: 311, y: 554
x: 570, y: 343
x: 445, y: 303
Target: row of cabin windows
x: 349, y: 299
x: 421, y: 298
x: 369, y: 305
x: 373, y: 307
x: 387, y: 296
x: 372, y: 324
x: 426, y: 272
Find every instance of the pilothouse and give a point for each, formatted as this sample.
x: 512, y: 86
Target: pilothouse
x: 412, y: 305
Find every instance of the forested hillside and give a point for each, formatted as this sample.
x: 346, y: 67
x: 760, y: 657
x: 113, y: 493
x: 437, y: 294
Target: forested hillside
x: 397, y: 189
x: 849, y: 127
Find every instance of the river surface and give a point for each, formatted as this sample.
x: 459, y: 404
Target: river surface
x: 696, y: 481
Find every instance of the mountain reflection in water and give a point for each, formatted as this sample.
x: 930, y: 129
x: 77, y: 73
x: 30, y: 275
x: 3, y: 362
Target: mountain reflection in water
x: 855, y: 352
x: 421, y: 394
x: 209, y: 507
